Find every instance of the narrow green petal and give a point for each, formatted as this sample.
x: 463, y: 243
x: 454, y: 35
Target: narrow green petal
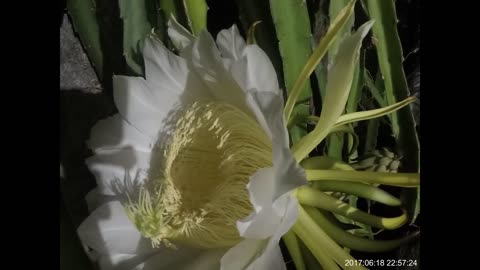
x: 352, y: 241
x: 358, y: 189
x: 325, y: 163
x: 349, y: 130
x: 370, y: 114
x: 339, y: 83
x: 391, y: 179
x: 320, y: 244
x: 312, y: 197
x: 293, y: 246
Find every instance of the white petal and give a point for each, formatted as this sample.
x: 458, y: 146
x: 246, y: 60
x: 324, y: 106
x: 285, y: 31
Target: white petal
x: 115, y: 133
x: 184, y: 258
x: 109, y: 231
x: 254, y: 71
x: 137, y: 105
x: 288, y: 174
x: 208, y: 64
x: 95, y: 199
x: 264, y: 254
x: 271, y: 259
x: 259, y: 224
x: 287, y: 204
x: 180, y: 36
x: 230, y: 43
x: 120, y: 261
x: 242, y: 254
x: 114, y: 169
x: 268, y: 187
x: 163, y: 69
x: 270, y: 207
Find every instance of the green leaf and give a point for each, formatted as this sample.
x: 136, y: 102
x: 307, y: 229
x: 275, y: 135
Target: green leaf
x: 304, y: 68
x: 196, y: 11
x: 168, y: 9
x: 139, y: 18
x: 292, y: 25
x: 334, y: 9
x: 84, y: 19
x: 376, y: 93
x: 390, y: 57
x: 372, y: 134
x: 299, y: 128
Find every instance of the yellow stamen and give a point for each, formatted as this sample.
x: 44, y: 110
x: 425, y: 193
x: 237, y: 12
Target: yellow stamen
x: 199, y: 192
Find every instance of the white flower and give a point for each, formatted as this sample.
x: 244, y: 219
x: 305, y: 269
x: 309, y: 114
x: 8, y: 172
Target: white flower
x: 195, y: 171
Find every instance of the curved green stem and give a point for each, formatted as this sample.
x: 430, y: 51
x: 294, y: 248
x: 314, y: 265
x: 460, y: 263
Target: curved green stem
x: 83, y: 15
x: 352, y: 241
x: 312, y: 197
x: 358, y: 189
x: 291, y: 241
x: 351, y: 132
x: 320, y: 244
x: 324, y: 163
x: 391, y: 179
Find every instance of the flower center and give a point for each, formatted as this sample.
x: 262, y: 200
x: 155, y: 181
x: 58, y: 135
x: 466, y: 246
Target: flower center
x: 199, y: 192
